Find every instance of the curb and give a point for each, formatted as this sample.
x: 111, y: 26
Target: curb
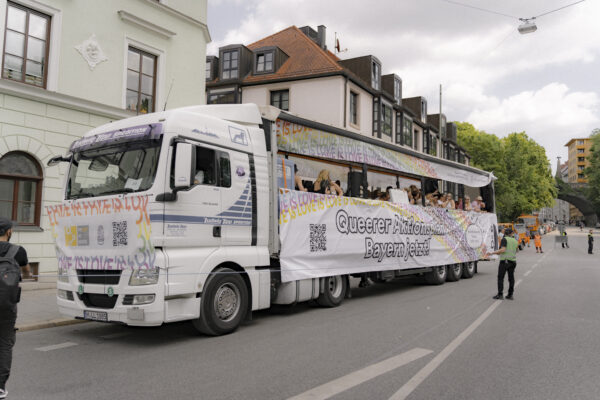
x: 53, y: 323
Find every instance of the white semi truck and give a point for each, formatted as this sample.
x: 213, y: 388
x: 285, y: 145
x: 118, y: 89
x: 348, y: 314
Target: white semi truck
x: 210, y: 182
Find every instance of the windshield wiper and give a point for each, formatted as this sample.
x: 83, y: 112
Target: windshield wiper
x: 117, y: 191
x: 79, y: 196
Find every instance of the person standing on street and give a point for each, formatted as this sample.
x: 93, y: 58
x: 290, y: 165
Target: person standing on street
x: 8, y: 313
x: 508, y: 263
x: 565, y: 241
x: 537, y: 239
x: 590, y: 242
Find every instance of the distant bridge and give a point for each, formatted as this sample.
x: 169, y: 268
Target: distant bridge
x: 574, y: 193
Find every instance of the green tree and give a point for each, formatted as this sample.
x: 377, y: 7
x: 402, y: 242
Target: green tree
x: 592, y: 172
x: 524, y: 178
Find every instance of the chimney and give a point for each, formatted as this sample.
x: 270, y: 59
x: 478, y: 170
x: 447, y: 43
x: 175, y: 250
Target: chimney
x: 321, y: 41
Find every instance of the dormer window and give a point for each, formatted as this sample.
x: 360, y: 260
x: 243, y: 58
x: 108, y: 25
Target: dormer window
x: 397, y: 90
x: 264, y: 62
x: 375, y: 75
x: 230, y: 64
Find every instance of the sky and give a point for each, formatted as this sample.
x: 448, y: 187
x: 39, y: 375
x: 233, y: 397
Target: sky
x: 546, y: 83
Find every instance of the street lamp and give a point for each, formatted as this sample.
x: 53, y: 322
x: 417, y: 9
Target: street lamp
x: 528, y: 26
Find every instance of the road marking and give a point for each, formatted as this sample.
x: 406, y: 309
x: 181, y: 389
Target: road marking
x: 527, y: 273
x: 518, y: 282
x: 57, y: 346
x: 420, y: 376
x: 355, y: 378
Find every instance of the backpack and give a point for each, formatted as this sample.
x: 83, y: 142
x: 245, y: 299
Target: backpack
x: 10, y: 275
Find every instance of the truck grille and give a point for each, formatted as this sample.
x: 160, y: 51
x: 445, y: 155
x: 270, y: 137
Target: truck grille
x: 98, y: 300
x: 99, y: 277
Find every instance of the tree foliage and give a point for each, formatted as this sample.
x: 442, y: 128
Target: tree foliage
x: 592, y: 172
x: 524, y: 177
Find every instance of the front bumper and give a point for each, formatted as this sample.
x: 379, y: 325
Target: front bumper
x: 110, y: 299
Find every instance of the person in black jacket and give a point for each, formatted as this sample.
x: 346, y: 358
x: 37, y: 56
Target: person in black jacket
x: 590, y: 242
x: 8, y: 317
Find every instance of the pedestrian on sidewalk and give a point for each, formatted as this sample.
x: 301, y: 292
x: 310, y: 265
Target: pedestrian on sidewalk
x: 565, y: 240
x: 8, y: 313
x: 590, y: 242
x: 508, y: 263
x: 537, y: 239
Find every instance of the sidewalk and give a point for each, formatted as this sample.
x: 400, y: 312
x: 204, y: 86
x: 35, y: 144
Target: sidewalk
x: 37, y: 310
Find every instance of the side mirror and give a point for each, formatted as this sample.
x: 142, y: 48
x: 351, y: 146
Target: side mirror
x: 54, y: 161
x: 185, y: 163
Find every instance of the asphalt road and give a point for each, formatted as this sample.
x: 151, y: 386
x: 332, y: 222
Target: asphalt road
x: 390, y: 341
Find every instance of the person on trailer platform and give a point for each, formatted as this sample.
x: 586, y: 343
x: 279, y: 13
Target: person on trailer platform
x: 508, y: 263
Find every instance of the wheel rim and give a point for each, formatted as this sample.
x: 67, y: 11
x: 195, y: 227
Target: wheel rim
x: 335, y: 285
x: 470, y: 266
x: 441, y: 271
x: 227, y: 301
x: 457, y: 269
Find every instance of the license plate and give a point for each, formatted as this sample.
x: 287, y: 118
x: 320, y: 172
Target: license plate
x: 95, y: 315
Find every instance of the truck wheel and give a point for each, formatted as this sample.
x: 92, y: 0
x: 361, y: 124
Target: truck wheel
x: 468, y: 270
x: 454, y: 272
x: 334, y: 291
x: 224, y: 303
x: 437, y: 276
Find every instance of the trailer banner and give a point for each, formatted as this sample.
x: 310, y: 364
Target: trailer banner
x: 304, y: 140
x: 326, y: 235
x: 103, y: 234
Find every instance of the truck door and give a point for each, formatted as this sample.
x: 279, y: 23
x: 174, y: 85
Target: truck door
x: 236, y: 198
x: 193, y: 220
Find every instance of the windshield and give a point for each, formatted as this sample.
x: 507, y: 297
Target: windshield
x: 130, y: 167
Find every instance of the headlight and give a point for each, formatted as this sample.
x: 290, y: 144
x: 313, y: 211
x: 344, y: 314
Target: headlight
x: 63, y: 274
x: 144, y: 276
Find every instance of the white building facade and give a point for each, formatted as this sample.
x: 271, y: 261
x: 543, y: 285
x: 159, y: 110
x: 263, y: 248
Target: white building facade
x: 69, y: 66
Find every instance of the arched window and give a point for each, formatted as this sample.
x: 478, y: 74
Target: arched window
x: 20, y: 188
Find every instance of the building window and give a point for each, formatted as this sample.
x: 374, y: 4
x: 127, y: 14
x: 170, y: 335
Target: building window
x: 415, y: 139
x: 208, y: 68
x: 580, y: 151
x: 376, y: 116
x: 407, y: 131
x: 580, y: 176
x: 141, y: 81
x: 397, y: 90
x: 580, y: 142
x: 399, y: 128
x: 424, y: 110
x: 25, y: 57
x: 20, y: 188
x: 386, y: 120
x: 354, y: 108
x: 375, y: 75
x: 264, y: 62
x: 580, y: 159
x: 281, y: 99
x: 230, y: 64
x: 580, y: 167
x: 433, y: 147
x: 426, y: 140
x: 221, y: 98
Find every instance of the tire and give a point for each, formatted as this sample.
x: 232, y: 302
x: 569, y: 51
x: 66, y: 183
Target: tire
x: 224, y: 303
x: 468, y: 270
x: 454, y: 272
x: 520, y: 246
x: 437, y: 276
x: 334, y: 291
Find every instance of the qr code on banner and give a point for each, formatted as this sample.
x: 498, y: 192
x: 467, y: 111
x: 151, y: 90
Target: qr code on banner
x: 119, y: 233
x: 318, y: 237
